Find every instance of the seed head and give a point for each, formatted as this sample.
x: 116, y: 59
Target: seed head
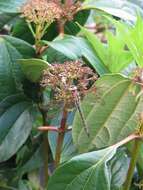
x: 70, y: 10
x: 65, y: 78
x: 138, y: 75
x: 140, y: 126
x: 41, y: 11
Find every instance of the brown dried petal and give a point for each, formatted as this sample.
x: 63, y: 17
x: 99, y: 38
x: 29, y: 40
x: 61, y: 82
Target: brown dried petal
x: 41, y: 11
x: 62, y: 78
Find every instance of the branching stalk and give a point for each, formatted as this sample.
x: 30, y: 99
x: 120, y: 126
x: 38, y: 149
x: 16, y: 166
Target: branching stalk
x: 31, y: 29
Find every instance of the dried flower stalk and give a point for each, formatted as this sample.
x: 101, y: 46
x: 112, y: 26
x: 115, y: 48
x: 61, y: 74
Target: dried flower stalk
x: 66, y: 78
x: 41, y: 11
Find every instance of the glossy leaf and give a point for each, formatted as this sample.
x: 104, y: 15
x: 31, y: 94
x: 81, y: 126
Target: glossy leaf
x: 22, y: 185
x: 81, y: 17
x: 122, y: 9
x: 75, y: 48
x: 66, y: 46
x: 21, y: 30
x: 52, y: 56
x: 5, y: 18
x: 15, y: 124
x: 12, y: 49
x: 87, y: 171
x: 133, y: 38
x: 111, y: 113
x: 34, y: 162
x: 11, y: 6
x: 118, y: 168
x: 33, y: 68
x: 113, y: 55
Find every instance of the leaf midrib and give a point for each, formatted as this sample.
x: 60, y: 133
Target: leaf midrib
x: 94, y: 166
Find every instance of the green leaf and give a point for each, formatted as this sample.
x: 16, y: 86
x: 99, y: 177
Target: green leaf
x: 118, y: 168
x: 52, y: 56
x: 133, y: 38
x: 5, y: 18
x: 67, y: 45
x: 15, y: 124
x: 113, y: 54
x: 92, y: 58
x: 8, y: 175
x: 88, y: 171
x: 34, y: 162
x: 21, y: 30
x: 22, y: 185
x: 117, y: 57
x: 81, y: 17
x: 122, y: 9
x: 111, y: 113
x: 12, y: 49
x: 33, y: 68
x: 11, y: 6
x: 75, y: 48
x: 68, y: 149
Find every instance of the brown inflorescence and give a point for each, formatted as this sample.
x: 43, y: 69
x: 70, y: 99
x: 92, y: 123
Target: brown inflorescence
x: 41, y: 11
x: 138, y: 75
x: 47, y: 11
x: 69, y: 10
x: 68, y: 77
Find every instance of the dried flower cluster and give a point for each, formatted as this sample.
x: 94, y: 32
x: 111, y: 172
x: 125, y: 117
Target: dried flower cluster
x: 137, y: 78
x: 68, y: 77
x: 69, y: 10
x: 41, y: 11
x: 138, y: 75
x: 47, y: 11
x: 140, y: 127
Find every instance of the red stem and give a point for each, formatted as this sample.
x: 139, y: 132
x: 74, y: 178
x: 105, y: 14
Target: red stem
x: 48, y: 128
x: 61, y: 25
x: 52, y: 128
x: 61, y: 135
x: 68, y: 2
x: 128, y: 139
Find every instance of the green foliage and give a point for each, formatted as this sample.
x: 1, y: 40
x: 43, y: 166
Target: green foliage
x: 33, y: 68
x: 21, y: 30
x: 5, y: 18
x: 132, y: 36
x: 90, y: 170
x: 15, y: 124
x: 9, y: 10
x: 68, y: 150
x: 33, y: 162
x: 109, y: 108
x: 111, y: 113
x: 11, y: 6
x: 113, y: 55
x: 10, y: 73
x: 121, y: 9
x: 75, y: 48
